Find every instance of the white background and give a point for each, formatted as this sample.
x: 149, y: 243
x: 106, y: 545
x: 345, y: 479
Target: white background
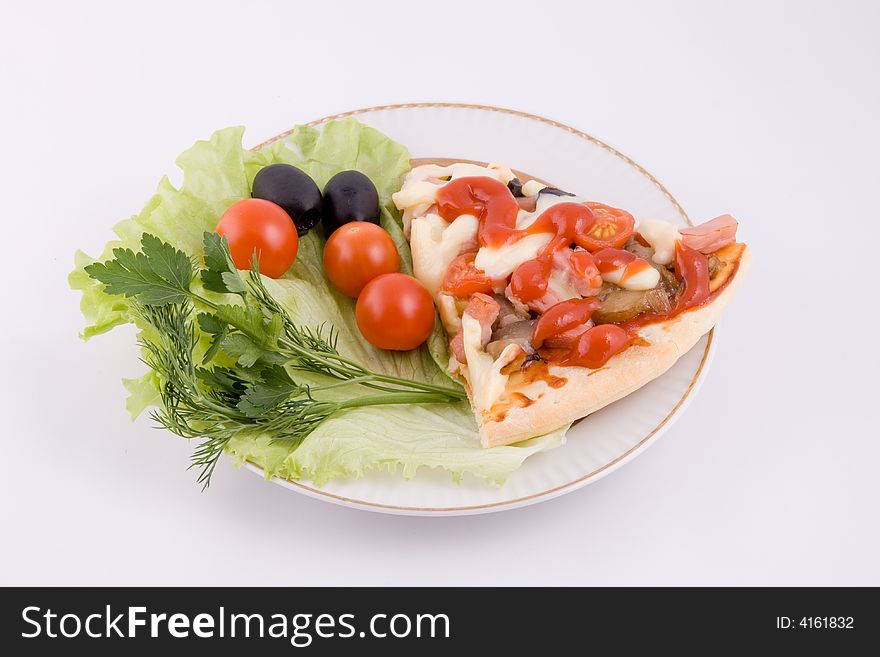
x: 767, y: 110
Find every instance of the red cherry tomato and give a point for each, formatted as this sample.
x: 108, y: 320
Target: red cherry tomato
x: 463, y: 279
x: 356, y: 253
x: 597, y: 345
x: 611, y: 228
x: 257, y: 225
x: 395, y: 311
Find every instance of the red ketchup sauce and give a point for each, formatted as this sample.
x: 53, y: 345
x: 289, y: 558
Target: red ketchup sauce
x: 496, y: 209
x: 591, y: 348
x: 691, y: 267
x: 563, y: 316
x: 597, y: 345
x: 609, y: 259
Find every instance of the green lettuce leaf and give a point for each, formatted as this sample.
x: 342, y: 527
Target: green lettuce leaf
x: 218, y: 172
x: 143, y: 393
x: 404, y: 440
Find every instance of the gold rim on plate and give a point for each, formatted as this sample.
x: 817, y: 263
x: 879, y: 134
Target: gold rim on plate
x: 589, y: 475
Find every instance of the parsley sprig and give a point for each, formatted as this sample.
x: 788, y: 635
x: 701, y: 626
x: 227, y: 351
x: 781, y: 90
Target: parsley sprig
x: 259, y: 393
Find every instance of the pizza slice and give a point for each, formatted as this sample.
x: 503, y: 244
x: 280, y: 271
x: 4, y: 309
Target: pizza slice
x: 556, y: 306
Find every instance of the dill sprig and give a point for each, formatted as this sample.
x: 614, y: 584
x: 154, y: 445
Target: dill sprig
x: 203, y: 400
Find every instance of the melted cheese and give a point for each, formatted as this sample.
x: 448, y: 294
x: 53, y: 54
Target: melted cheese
x: 500, y: 262
x: 484, y: 373
x: 464, y: 169
x: 446, y: 241
x: 436, y: 244
x: 559, y: 285
x: 421, y: 184
x: 424, y: 172
x: 662, y: 236
x: 506, y: 175
x: 420, y: 192
x: 646, y: 279
x: 532, y: 187
x: 525, y: 219
x: 448, y: 313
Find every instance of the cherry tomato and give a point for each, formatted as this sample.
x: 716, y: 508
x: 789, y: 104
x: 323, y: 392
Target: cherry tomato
x: 563, y: 317
x: 262, y: 226
x: 463, y: 279
x: 597, y: 345
x: 357, y: 253
x: 395, y: 311
x: 611, y: 228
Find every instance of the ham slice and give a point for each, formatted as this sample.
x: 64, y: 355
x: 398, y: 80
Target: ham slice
x: 527, y: 203
x: 712, y: 235
x: 484, y: 309
x: 581, y: 269
x: 456, y: 346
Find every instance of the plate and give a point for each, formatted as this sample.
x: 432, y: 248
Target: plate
x: 596, y: 445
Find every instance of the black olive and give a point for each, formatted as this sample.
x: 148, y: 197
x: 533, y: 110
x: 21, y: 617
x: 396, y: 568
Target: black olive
x: 293, y: 190
x: 553, y: 191
x: 349, y: 196
x: 515, y: 187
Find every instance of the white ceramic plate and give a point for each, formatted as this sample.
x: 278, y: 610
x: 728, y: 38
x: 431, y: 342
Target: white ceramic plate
x: 604, y: 441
